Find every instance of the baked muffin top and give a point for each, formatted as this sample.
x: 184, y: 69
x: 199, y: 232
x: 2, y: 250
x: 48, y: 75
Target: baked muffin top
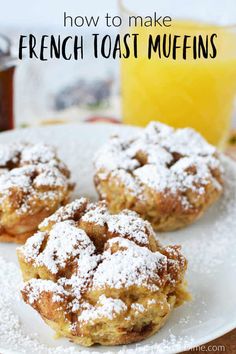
x: 30, y: 174
x: 164, y: 159
x: 94, y: 262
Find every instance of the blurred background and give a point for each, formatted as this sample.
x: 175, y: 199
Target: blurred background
x: 73, y: 91
x: 59, y: 89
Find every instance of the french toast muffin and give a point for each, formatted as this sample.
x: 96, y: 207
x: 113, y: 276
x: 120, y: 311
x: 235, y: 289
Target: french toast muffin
x: 34, y: 183
x: 98, y: 278
x: 169, y: 176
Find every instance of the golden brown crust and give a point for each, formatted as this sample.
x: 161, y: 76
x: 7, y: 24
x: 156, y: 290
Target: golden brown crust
x: 33, y: 221
x: 122, y: 335
x: 20, y: 238
x: 165, y: 212
x: 33, y: 184
x: 100, y: 278
x: 170, y: 177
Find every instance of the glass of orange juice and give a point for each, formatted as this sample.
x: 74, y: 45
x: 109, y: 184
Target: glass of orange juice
x: 198, y: 91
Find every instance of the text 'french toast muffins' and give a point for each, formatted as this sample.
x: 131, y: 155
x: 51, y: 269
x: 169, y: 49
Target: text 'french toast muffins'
x: 101, y: 278
x: 33, y: 184
x: 169, y: 176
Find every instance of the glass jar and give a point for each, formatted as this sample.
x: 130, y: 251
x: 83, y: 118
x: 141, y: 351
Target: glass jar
x: 183, y: 92
x: 7, y: 68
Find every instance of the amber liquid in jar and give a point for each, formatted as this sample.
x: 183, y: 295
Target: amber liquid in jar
x: 6, y: 98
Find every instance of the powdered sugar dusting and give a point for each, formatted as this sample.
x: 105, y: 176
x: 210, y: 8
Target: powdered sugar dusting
x: 33, y: 245
x: 38, y: 153
x: 137, y: 307
x: 161, y: 158
x: 81, y: 280
x: 76, y: 262
x: 18, y: 338
x: 35, y: 287
x: 107, y: 308
x: 126, y: 224
x: 64, y: 241
x: 30, y: 173
x: 66, y: 212
x: 9, y: 153
x: 67, y: 253
x: 132, y: 266
x: 209, y: 250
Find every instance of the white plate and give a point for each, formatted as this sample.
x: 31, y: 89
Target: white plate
x: 209, y: 245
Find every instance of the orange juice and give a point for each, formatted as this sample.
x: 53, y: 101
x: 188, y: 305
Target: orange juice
x: 195, y: 93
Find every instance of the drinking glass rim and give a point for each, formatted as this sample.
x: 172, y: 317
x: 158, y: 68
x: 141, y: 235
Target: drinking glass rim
x: 201, y: 24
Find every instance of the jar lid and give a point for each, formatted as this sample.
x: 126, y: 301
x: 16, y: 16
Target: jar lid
x: 6, y: 58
